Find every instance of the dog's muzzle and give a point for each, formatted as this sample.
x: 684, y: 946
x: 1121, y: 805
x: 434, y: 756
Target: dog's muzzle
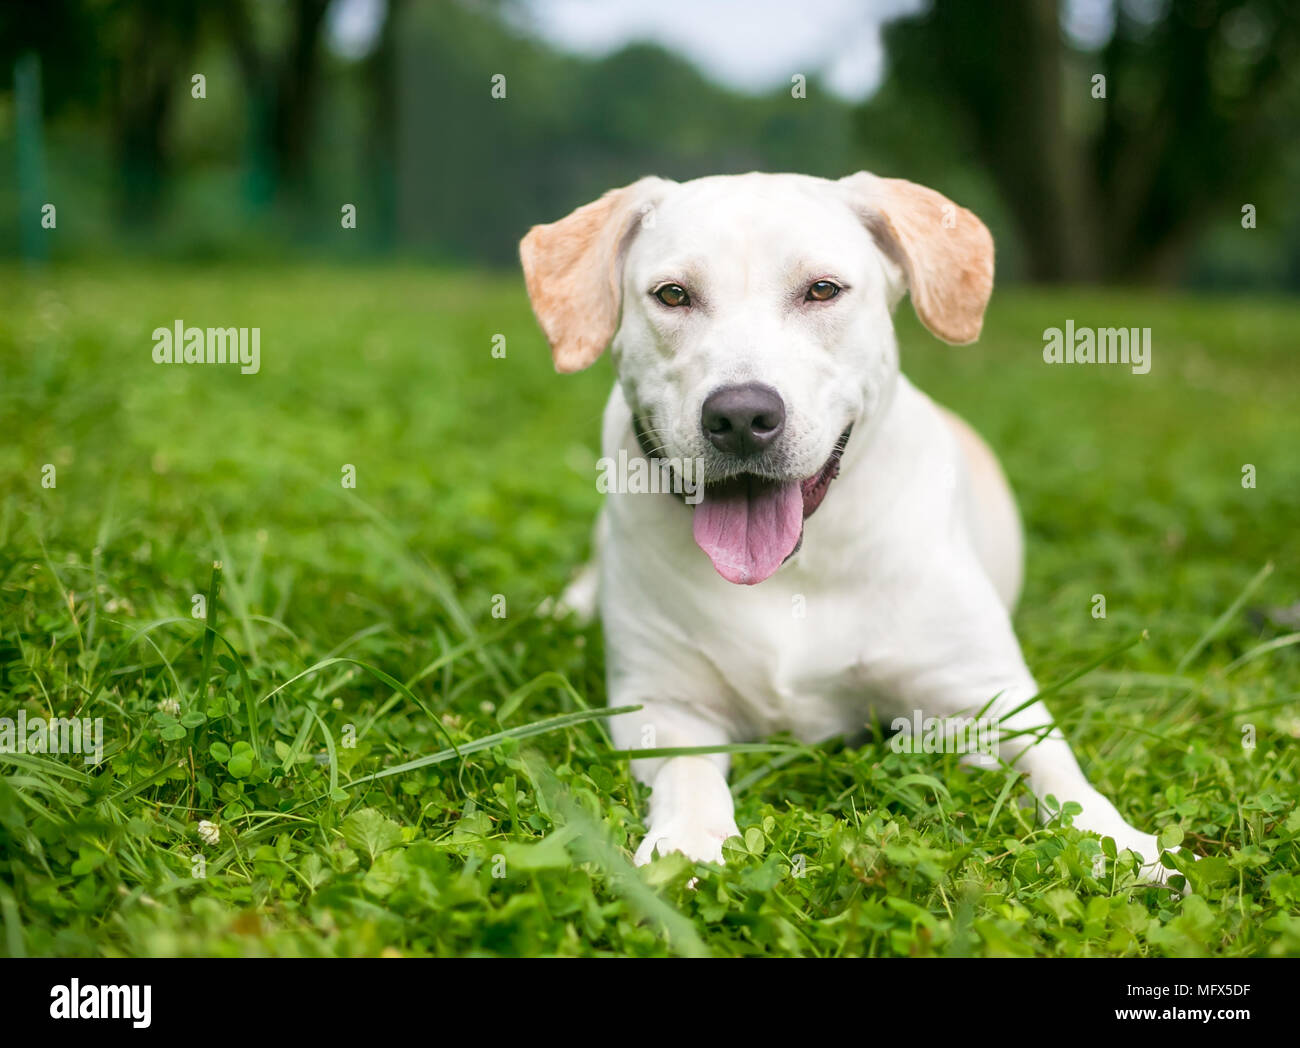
x: 750, y: 525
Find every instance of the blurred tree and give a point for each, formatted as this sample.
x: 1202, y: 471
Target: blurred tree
x: 150, y: 45
x: 1199, y: 103
x: 381, y: 152
x: 282, y: 86
x: 476, y: 171
x: 30, y: 135
x: 68, y: 36
x: 131, y: 53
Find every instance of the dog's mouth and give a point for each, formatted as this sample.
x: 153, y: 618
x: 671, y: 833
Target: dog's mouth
x: 750, y: 525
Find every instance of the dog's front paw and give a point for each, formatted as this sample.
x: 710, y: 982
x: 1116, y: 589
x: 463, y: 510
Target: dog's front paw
x: 1144, y: 845
x: 696, y: 840
x: 1099, y: 816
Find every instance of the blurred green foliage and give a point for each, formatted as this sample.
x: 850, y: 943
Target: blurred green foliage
x: 992, y: 107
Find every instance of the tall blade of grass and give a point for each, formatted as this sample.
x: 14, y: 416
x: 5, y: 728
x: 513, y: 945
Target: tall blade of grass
x: 375, y: 672
x: 143, y: 784
x: 250, y: 702
x: 238, y: 600
x: 300, y: 740
x: 699, y: 751
x: 917, y: 779
x: 13, y: 925
x: 475, y: 642
x: 758, y: 774
x: 1087, y: 668
x: 592, y: 844
x: 443, y: 591
x: 1012, y: 778
x: 525, y: 731
x: 176, y: 681
x: 1068, y: 679
x: 537, y: 684
x: 210, y: 619
x: 123, y: 651
x: 361, y: 634
x: 1121, y: 679
x: 333, y: 756
x: 1217, y: 626
x: 1262, y: 649
x: 269, y: 621
x: 66, y: 593
x: 45, y: 767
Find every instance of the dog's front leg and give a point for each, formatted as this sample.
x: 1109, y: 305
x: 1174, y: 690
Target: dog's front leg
x: 1032, y: 744
x: 964, y: 654
x: 691, y: 810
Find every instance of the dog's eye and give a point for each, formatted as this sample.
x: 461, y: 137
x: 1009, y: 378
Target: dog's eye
x: 821, y: 290
x: 673, y: 295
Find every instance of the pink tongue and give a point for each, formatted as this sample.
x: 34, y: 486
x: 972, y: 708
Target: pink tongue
x: 749, y: 526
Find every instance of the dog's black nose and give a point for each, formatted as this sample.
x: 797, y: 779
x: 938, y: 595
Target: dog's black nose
x: 743, y: 419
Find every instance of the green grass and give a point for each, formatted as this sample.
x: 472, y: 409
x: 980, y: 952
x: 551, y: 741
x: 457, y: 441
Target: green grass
x: 354, y: 632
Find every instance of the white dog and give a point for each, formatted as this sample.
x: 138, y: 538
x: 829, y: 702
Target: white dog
x: 865, y: 547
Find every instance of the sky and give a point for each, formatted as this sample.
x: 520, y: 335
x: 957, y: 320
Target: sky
x: 748, y: 45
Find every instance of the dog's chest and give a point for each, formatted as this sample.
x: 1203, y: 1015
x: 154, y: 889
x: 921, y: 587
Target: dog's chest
x: 804, y: 662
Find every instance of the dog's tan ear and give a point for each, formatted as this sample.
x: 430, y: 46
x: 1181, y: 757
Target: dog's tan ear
x: 574, y: 271
x: 944, y: 251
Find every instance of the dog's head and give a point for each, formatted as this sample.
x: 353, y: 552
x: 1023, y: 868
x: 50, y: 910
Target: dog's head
x: 749, y: 319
